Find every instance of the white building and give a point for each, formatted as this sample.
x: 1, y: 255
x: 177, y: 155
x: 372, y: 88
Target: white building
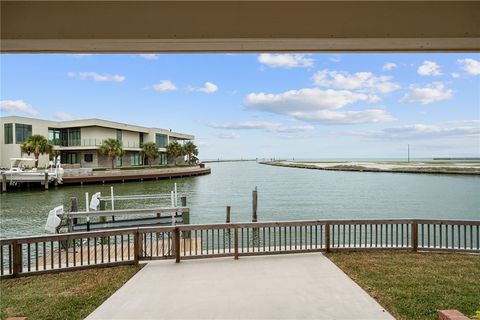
x: 78, y: 141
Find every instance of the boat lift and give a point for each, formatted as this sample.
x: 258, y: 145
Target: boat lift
x: 74, y: 221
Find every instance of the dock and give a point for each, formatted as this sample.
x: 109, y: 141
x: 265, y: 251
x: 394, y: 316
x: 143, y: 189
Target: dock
x: 136, y: 175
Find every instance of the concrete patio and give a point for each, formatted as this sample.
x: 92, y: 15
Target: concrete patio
x: 297, y: 286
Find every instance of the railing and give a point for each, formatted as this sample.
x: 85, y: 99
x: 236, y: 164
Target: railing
x: 91, y: 142
x: 54, y: 253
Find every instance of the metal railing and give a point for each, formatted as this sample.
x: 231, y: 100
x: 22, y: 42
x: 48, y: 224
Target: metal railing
x: 54, y: 253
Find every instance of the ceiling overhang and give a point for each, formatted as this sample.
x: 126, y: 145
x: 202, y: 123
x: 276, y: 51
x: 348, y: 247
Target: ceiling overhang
x: 239, y: 26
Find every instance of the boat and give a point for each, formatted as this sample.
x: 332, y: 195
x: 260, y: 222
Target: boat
x: 19, y: 171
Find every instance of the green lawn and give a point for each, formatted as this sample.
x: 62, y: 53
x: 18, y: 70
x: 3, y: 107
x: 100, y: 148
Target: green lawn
x: 67, y: 295
x: 415, y: 285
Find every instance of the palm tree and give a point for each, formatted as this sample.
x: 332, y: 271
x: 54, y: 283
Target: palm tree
x: 150, y: 151
x: 36, y: 144
x: 112, y: 148
x: 191, y: 151
x: 174, y: 150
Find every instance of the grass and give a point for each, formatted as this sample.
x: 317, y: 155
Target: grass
x: 415, y: 285
x: 67, y: 295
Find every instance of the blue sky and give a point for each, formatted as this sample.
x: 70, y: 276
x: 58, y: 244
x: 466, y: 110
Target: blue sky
x: 265, y: 105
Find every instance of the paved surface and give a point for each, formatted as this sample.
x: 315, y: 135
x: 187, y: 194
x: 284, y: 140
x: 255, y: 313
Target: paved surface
x: 299, y: 286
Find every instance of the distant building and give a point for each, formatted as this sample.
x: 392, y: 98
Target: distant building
x: 78, y: 141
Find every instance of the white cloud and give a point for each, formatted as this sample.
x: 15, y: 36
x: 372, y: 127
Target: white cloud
x: 388, y: 66
x: 470, y: 66
x: 429, y: 68
x: 149, y: 56
x: 455, y: 75
x: 164, y: 85
x: 226, y: 135
x: 428, y: 94
x: 262, y: 125
x: 335, y: 58
x: 96, y: 76
x: 287, y: 60
x: 362, y: 81
x: 426, y: 131
x: 65, y: 116
x: 208, y: 87
x: 12, y: 106
x: 313, y: 104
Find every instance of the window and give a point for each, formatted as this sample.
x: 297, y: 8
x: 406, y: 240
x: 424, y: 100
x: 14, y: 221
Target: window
x: 88, y: 157
x: 8, y: 133
x: 136, y: 159
x: 163, y: 158
x: 119, y: 135
x: 22, y: 132
x: 140, y: 139
x: 118, y: 161
x: 54, y: 136
x: 74, y: 137
x: 161, y: 140
x: 70, y: 157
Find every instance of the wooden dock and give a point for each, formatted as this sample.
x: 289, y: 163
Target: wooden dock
x: 137, y: 175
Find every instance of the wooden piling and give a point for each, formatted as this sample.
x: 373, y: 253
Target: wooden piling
x: 254, y: 205
x: 176, y: 244
x: 4, y: 182
x: 46, y: 180
x: 414, y: 236
x: 74, y: 208
x: 17, y: 263
x: 227, y: 219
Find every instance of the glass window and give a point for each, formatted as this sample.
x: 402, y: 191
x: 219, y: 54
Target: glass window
x: 136, y: 159
x: 163, y: 158
x: 140, y: 139
x: 22, y: 132
x: 74, y: 137
x: 70, y: 157
x: 118, y: 161
x: 54, y: 136
x: 119, y: 135
x: 8, y: 133
x: 88, y: 157
x: 161, y: 140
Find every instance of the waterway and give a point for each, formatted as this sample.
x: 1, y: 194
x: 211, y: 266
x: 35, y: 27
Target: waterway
x: 283, y: 194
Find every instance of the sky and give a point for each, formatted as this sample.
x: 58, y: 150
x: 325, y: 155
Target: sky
x: 306, y: 106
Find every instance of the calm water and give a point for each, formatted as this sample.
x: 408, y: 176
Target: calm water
x: 283, y: 194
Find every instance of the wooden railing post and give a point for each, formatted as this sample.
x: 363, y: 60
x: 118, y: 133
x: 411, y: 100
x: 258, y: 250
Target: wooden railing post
x: 17, y: 261
x: 327, y: 237
x: 137, y: 243
x: 236, y: 242
x: 176, y: 244
x: 414, y: 235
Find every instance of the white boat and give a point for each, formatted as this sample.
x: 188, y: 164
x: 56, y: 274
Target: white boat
x: 19, y: 171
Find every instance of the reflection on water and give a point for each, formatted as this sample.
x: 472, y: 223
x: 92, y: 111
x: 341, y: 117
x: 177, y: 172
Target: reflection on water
x: 283, y: 194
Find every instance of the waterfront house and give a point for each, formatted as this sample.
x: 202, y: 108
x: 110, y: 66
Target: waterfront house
x: 78, y: 141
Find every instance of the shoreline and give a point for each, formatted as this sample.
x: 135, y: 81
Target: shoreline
x: 377, y: 167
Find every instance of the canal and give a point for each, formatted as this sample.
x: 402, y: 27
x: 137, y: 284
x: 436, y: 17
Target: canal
x: 283, y: 194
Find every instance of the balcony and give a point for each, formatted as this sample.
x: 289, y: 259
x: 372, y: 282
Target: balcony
x: 90, y: 143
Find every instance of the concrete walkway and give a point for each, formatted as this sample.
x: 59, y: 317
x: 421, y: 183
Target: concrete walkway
x: 297, y: 286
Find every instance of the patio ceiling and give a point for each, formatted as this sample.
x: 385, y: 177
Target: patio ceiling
x: 239, y: 26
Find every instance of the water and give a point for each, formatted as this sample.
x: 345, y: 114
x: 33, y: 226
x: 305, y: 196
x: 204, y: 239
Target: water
x: 283, y: 194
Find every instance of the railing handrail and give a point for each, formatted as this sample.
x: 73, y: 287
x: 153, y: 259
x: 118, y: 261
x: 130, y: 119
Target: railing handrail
x: 190, y: 227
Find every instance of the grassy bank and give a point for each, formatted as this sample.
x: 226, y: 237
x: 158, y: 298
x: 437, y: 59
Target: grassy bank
x: 67, y: 295
x: 416, y: 285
